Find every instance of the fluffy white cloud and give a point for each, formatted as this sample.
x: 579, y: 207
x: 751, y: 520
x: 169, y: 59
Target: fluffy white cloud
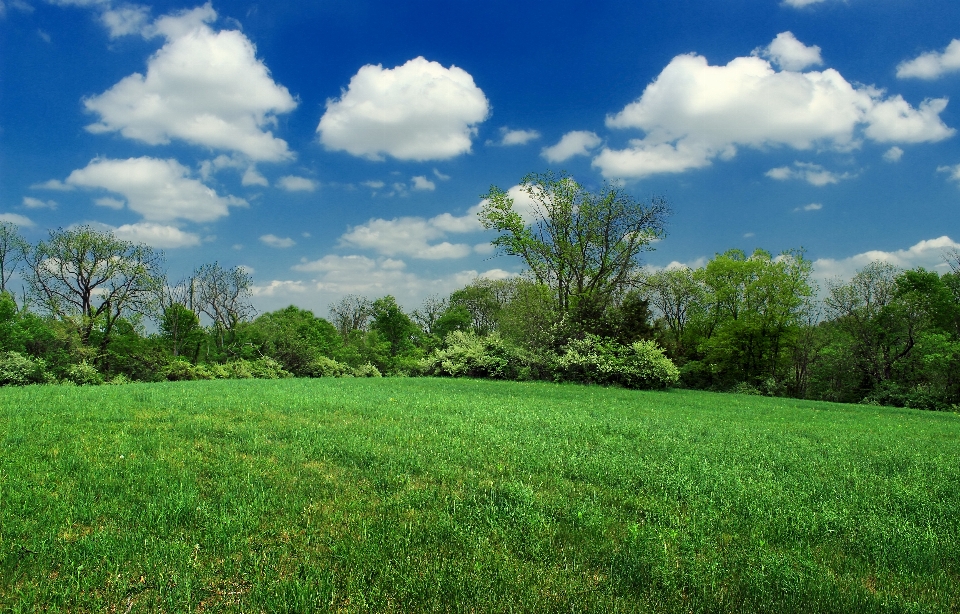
x: 932, y: 64
x: 693, y: 113
x: 203, y: 87
x: 252, y: 176
x: 517, y: 137
x: 16, y: 218
x: 35, y: 203
x: 373, y: 185
x: 893, y: 154
x: 407, y: 236
x: 155, y: 235
x: 292, y: 183
x: 279, y: 242
x: 928, y: 254
x: 420, y: 182
x: 953, y: 171
x: 159, y: 190
x: 125, y: 19
x: 110, y: 203
x: 790, y: 54
x: 417, y: 111
x: 813, y: 174
x: 279, y: 287
x: 52, y: 184
x: 810, y: 207
x: 576, y: 143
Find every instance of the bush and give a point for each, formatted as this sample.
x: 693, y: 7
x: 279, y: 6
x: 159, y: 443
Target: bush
x: 327, y: 367
x: 268, y: 368
x: 182, y: 370
x: 367, y: 370
x: 467, y: 354
x: 19, y: 370
x: 84, y: 374
x: 596, y: 360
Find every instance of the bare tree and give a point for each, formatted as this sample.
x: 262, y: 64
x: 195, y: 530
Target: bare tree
x: 13, y: 252
x: 429, y: 312
x: 352, y: 312
x: 675, y: 293
x: 93, y: 278
x: 223, y: 296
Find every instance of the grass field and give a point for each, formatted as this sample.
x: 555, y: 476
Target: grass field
x: 400, y: 495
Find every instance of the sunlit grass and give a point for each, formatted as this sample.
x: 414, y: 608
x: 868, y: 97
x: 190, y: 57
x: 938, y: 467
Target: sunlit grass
x: 399, y: 495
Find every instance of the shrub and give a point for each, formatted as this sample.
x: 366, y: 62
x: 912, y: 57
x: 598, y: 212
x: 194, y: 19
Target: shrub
x: 366, y: 370
x: 19, y: 370
x: 641, y: 364
x: 182, y: 370
x: 84, y: 374
x: 268, y: 368
x: 327, y: 367
x: 467, y: 354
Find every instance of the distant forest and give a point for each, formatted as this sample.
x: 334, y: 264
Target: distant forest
x: 584, y: 311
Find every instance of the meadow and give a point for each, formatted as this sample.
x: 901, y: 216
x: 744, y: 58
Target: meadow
x: 409, y: 495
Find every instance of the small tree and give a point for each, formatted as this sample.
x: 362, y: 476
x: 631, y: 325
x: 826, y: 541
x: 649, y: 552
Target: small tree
x: 583, y: 245
x: 92, y: 279
x: 13, y: 253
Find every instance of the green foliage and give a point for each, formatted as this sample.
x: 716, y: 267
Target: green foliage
x: 294, y: 337
x: 328, y: 367
x: 84, y: 374
x: 366, y: 370
x: 466, y: 354
x: 19, y: 370
x: 595, y: 360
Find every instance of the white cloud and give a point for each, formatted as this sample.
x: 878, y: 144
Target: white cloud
x: 417, y: 111
x: 275, y: 241
x: 407, y: 236
x: 932, y: 64
x: 110, y: 203
x: 810, y: 207
x: 373, y: 185
x: 893, y: 154
x: 927, y: 254
x: 125, y: 19
x: 292, y: 183
x: 801, y: 3
x: 16, y: 218
x: 790, y: 54
x: 954, y: 171
x: 420, y: 182
x: 35, y: 203
x: 576, y: 143
x: 52, y: 184
x: 440, y: 175
x: 203, y: 87
x: 252, y: 176
x: 279, y: 287
x: 814, y: 174
x: 510, y: 137
x: 693, y: 113
x: 156, y: 235
x: 159, y: 190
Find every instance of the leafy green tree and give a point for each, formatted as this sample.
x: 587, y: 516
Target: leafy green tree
x: 585, y: 246
x: 93, y: 279
x: 295, y: 337
x: 223, y: 295
x: 180, y: 328
x: 677, y: 295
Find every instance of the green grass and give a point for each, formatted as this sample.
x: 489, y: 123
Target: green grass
x: 400, y: 495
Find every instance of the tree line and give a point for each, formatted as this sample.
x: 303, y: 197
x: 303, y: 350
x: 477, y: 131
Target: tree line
x: 585, y: 310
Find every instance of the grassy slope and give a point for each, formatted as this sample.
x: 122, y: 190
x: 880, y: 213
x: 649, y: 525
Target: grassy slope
x: 419, y: 494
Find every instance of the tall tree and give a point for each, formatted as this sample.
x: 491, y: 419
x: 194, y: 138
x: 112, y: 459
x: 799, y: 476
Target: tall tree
x: 92, y: 278
x: 352, y: 312
x: 583, y: 245
x: 13, y: 253
x: 223, y: 295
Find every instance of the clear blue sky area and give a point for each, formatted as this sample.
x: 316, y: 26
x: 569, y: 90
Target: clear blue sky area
x: 343, y: 147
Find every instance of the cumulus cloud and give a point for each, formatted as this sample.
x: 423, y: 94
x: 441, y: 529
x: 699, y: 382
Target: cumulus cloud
x: 275, y: 241
x: 35, y: 203
x: 52, y: 184
x: 440, y: 175
x: 810, y: 207
x: 932, y: 64
x: 252, y: 176
x: 125, y: 19
x: 292, y: 183
x: 16, y: 218
x: 576, y: 143
x: 417, y: 111
x: 279, y: 287
x: 893, y: 154
x: 510, y: 137
x: 953, y: 171
x: 407, y: 236
x: 814, y: 174
x: 155, y: 235
x: 110, y: 203
x: 373, y: 185
x: 203, y: 87
x: 790, y: 54
x: 927, y: 254
x: 421, y: 182
x: 159, y: 190
x: 693, y: 113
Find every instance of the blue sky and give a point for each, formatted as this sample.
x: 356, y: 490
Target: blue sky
x: 343, y: 147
